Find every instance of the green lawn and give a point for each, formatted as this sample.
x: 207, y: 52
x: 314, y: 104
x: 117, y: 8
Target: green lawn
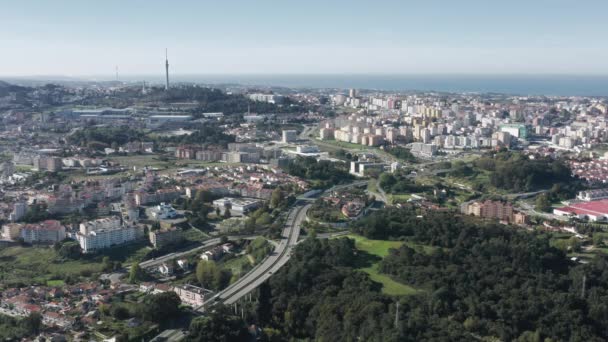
x: 239, y: 265
x: 195, y: 235
x: 375, y: 247
x: 398, y: 198
x: 372, y: 186
x: 55, y: 283
x: 379, y: 249
x: 389, y: 286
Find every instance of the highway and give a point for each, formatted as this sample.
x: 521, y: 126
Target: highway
x: 269, y: 266
x: 272, y: 263
x: 169, y: 335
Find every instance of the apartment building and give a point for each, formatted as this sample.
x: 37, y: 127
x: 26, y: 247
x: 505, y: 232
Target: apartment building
x: 103, y: 233
x: 489, y: 209
x: 164, y: 237
x: 49, y: 231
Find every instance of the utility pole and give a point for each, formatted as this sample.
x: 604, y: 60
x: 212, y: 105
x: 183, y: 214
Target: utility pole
x: 397, y: 316
x: 584, y: 284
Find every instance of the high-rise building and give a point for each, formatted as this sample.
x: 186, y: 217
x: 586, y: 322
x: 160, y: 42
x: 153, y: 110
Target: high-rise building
x: 104, y: 233
x: 18, y: 212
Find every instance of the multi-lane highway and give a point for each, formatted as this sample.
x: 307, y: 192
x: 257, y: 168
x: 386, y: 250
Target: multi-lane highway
x: 276, y: 260
x: 273, y: 262
x: 269, y: 266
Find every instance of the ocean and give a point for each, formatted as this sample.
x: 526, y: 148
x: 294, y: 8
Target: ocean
x: 551, y: 85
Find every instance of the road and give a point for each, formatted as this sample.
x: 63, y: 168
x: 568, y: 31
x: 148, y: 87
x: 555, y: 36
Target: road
x: 272, y: 263
x: 529, y: 210
x: 269, y: 266
x: 169, y: 335
x: 171, y: 256
x: 380, y: 194
x: 205, y: 244
x: 276, y: 260
x: 306, y: 131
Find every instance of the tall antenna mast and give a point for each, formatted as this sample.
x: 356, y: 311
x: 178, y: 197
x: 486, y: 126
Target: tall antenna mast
x: 166, y: 70
x: 116, y: 69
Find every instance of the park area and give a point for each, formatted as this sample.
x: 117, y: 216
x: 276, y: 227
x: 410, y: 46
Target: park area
x: 373, y: 252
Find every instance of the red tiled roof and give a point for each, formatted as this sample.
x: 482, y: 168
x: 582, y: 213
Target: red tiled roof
x: 594, y: 208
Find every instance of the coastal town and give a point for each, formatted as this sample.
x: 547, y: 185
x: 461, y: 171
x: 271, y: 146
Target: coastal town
x: 113, y: 193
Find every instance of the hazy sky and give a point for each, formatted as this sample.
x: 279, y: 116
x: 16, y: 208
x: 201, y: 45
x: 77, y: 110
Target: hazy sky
x: 83, y: 37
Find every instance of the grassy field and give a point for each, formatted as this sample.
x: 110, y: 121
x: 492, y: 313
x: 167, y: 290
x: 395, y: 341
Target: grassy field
x: 55, y: 283
x: 333, y: 145
x: 398, y: 198
x: 39, y: 265
x: 81, y: 176
x: 378, y: 249
x: 375, y: 247
x: 372, y: 185
x: 140, y: 161
x: 195, y: 235
x: 239, y: 265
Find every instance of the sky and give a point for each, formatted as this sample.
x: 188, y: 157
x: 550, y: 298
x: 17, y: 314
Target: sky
x: 78, y: 37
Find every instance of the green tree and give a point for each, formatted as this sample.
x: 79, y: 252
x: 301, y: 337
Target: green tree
x: 598, y: 240
x: 70, y: 250
x: 32, y: 323
x: 160, y: 307
x: 276, y: 198
x: 136, y: 274
x: 108, y: 265
x: 219, y: 325
x: 227, y: 213
x: 542, y: 203
x: 264, y: 219
x: 206, y: 271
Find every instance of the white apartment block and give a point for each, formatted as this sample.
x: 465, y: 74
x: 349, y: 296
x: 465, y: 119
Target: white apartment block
x: 103, y: 233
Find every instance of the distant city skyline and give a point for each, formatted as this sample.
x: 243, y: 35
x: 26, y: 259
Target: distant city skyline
x: 76, y: 38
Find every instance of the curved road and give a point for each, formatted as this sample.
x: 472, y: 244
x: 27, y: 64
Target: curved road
x: 269, y: 266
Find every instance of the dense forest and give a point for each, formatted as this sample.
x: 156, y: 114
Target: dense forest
x: 99, y: 137
x: 402, y: 153
x: 206, y: 134
x: 323, y: 172
x: 476, y: 281
x: 396, y: 183
x: 215, y: 100
x: 15, y: 329
x: 520, y: 173
x: 208, y: 100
